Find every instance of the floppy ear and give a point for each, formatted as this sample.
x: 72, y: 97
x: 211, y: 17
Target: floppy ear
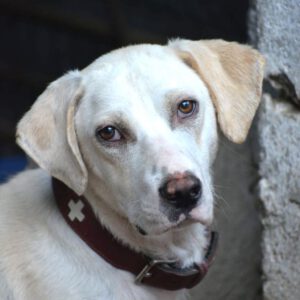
x: 233, y: 74
x: 47, y: 132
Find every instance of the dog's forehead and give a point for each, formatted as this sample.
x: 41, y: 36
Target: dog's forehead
x: 147, y: 73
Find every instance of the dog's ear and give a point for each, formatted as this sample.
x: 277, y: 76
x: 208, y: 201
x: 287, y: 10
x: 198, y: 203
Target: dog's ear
x: 47, y: 132
x: 233, y: 74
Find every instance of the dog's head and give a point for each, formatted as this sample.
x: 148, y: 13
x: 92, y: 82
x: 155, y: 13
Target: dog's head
x: 138, y: 127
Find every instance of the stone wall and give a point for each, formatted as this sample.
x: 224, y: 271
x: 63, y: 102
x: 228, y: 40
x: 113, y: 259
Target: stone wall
x: 275, y: 31
x: 236, y: 273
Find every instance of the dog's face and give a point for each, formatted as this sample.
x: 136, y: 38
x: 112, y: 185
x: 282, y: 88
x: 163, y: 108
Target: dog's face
x: 147, y: 132
x: 138, y: 127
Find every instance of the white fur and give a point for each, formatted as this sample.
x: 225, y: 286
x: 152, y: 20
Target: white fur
x: 40, y: 256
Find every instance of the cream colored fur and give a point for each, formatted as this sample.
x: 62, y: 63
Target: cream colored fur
x: 140, y: 87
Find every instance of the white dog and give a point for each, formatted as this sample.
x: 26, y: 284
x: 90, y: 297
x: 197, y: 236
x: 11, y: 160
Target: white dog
x: 131, y: 139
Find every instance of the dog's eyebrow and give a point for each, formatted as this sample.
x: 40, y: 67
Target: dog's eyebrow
x: 177, y: 95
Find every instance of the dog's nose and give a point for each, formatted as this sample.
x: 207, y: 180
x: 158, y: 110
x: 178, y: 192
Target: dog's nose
x: 181, y: 191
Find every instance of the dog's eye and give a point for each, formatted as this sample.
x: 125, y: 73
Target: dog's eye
x: 186, y: 108
x: 109, y: 134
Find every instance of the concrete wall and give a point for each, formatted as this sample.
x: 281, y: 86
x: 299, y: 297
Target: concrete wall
x: 236, y: 273
x: 275, y: 31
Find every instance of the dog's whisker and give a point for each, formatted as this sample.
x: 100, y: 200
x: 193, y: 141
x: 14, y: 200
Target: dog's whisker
x: 222, y: 205
x: 218, y: 186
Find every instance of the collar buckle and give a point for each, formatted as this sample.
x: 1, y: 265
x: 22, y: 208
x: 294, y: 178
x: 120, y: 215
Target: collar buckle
x: 145, y: 273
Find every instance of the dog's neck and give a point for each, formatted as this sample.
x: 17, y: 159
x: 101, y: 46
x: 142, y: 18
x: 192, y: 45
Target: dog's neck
x: 185, y: 245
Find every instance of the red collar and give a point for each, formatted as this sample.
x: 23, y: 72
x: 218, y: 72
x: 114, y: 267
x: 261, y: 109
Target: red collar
x: 161, y: 274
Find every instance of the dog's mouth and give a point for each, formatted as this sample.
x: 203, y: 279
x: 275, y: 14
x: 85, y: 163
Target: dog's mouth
x: 181, y: 224
x: 183, y: 221
x: 141, y: 230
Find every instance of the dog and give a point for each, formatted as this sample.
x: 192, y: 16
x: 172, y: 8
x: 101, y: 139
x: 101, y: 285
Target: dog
x: 129, y: 143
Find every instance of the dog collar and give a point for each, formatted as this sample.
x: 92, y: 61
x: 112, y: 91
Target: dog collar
x: 157, y: 273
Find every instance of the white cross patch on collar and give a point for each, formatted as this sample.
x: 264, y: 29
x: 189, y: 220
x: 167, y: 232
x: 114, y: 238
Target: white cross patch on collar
x: 76, y: 210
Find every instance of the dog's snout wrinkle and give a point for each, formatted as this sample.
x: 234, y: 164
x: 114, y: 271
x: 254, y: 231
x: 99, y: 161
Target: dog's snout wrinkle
x: 181, y: 191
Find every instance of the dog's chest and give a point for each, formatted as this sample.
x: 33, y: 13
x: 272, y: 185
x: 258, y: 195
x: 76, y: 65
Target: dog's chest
x: 109, y: 285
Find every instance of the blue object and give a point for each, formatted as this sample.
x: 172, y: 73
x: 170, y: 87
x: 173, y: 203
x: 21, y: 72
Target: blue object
x: 10, y: 166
